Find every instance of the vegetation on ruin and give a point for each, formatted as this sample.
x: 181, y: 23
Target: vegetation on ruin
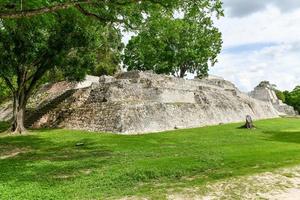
x: 291, y: 98
x: 63, y: 38
x: 175, y: 46
x: 47, y: 164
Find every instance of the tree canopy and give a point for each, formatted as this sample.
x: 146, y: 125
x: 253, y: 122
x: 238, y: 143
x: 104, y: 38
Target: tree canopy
x: 174, y: 46
x: 108, y: 54
x: 293, y: 98
x: 128, y: 12
x: 280, y: 95
x: 29, y: 48
x: 53, y: 37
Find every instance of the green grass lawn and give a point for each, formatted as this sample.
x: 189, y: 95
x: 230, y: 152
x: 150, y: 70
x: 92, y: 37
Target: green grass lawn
x: 51, y: 166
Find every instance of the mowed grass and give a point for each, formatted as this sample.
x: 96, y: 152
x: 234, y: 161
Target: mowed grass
x: 47, y: 164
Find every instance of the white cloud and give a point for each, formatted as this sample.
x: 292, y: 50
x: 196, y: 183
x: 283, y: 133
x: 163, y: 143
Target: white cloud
x: 277, y: 64
x: 240, y: 8
x: 263, y: 44
x: 268, y: 26
x: 276, y: 58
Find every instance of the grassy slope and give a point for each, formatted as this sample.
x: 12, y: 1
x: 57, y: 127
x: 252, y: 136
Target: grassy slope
x: 52, y: 167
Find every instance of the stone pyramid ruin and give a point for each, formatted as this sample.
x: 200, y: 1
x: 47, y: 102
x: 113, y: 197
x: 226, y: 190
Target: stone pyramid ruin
x: 140, y: 102
x: 265, y: 92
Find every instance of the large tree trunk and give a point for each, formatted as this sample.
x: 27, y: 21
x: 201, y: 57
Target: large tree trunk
x: 18, y: 122
x: 21, y: 91
x: 19, y: 108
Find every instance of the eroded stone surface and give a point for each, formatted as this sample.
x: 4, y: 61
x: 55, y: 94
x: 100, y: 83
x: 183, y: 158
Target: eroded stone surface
x: 265, y: 92
x: 136, y: 102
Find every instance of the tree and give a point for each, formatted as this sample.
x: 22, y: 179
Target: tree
x: 31, y: 48
x: 175, y: 46
x: 280, y: 95
x: 40, y: 36
x: 293, y: 98
x: 108, y: 55
x: 129, y: 12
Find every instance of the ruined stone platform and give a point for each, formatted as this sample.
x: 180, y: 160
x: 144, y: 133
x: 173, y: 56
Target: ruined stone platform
x: 265, y: 92
x: 140, y: 102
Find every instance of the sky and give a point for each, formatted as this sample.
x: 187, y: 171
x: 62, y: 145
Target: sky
x: 261, y: 42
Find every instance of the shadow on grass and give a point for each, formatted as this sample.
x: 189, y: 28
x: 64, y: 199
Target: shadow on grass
x: 44, y: 160
x: 284, y: 136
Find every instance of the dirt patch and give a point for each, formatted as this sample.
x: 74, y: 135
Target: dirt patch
x: 290, y: 194
x: 12, y: 153
x: 86, y: 171
x: 283, y: 184
x: 64, y: 176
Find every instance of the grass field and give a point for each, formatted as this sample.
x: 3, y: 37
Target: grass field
x: 47, y: 164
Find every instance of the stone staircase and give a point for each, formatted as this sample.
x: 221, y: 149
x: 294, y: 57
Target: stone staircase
x: 36, y: 114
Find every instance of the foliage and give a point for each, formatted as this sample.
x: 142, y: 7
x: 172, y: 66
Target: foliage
x: 293, y: 98
x: 44, y: 36
x: 113, y: 166
x: 125, y: 12
x: 31, y: 48
x: 4, y: 91
x: 50, y: 42
x: 280, y: 95
x: 108, y: 55
x: 174, y: 46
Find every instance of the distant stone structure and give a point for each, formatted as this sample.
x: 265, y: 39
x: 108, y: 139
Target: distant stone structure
x: 140, y: 102
x: 265, y: 92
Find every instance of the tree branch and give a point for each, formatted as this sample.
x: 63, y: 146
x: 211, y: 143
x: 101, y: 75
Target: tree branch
x: 63, y: 6
x: 101, y: 18
x: 89, y: 14
x: 35, y: 78
x: 8, y: 83
x: 39, y: 11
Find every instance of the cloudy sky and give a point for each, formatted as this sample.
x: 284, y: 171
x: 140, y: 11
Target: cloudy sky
x: 261, y: 42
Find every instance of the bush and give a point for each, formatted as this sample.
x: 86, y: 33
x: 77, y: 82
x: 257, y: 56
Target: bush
x: 280, y: 95
x: 293, y: 98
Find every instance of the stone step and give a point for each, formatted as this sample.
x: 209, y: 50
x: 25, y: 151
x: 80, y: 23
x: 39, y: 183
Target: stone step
x: 35, y: 115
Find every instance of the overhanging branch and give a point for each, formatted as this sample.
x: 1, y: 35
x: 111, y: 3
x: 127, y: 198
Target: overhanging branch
x: 8, y: 82
x: 39, y: 11
x: 101, y: 18
x: 63, y: 6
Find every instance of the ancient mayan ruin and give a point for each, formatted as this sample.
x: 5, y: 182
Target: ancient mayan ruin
x: 140, y: 102
x: 266, y: 93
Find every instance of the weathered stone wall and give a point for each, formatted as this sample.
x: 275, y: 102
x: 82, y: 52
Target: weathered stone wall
x: 47, y: 93
x: 266, y: 93
x: 6, y: 111
x: 135, y: 102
